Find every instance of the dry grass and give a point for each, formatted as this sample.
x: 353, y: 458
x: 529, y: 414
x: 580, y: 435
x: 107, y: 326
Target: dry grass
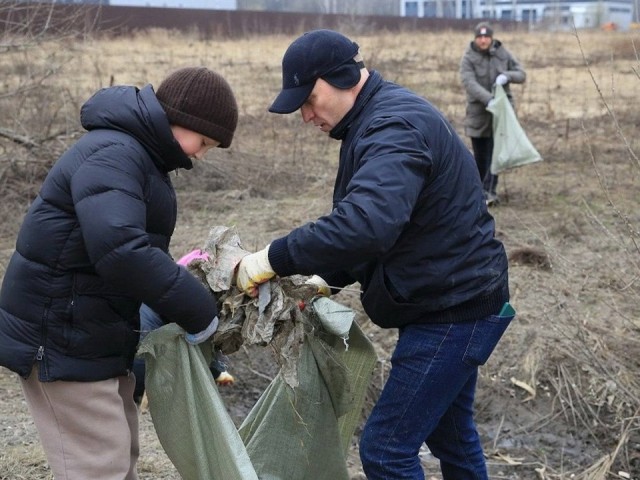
x: 559, y: 399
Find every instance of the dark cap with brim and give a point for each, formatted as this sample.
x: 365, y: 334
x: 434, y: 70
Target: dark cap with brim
x: 291, y: 99
x: 317, y: 54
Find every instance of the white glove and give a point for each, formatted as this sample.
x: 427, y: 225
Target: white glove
x: 253, y: 270
x: 323, y: 287
x: 196, y: 338
x: 491, y: 103
x: 502, y: 79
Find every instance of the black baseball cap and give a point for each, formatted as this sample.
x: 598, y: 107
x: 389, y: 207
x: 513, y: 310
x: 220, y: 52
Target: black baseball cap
x: 316, y: 54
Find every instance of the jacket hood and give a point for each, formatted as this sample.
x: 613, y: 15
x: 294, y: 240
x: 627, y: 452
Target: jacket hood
x: 138, y: 113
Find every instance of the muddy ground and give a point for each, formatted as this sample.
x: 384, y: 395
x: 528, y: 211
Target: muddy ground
x: 559, y: 397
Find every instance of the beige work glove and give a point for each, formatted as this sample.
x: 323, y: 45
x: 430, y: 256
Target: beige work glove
x: 253, y: 270
x: 323, y: 286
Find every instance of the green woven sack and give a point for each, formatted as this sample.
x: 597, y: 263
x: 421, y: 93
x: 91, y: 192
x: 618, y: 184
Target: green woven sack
x: 290, y: 434
x: 511, y: 146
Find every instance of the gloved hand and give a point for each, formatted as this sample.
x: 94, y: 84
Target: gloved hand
x: 224, y: 379
x: 491, y: 103
x: 323, y: 287
x: 219, y: 369
x: 502, y: 79
x: 193, y: 255
x: 196, y: 338
x: 253, y: 270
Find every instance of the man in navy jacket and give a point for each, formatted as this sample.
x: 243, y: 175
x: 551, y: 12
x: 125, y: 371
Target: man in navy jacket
x: 410, y: 224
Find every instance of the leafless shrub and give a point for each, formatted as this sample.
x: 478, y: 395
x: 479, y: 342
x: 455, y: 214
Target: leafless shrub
x: 39, y: 114
x: 596, y: 388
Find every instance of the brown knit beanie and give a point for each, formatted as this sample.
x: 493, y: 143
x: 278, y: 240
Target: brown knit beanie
x: 201, y: 100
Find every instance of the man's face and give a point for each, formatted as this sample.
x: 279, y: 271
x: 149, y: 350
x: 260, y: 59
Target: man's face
x: 483, y: 42
x: 326, y: 105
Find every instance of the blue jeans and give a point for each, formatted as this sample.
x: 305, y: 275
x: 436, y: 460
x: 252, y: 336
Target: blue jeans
x: 428, y: 398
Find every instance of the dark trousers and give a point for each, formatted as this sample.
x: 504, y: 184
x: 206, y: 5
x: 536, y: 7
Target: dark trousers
x: 482, y: 151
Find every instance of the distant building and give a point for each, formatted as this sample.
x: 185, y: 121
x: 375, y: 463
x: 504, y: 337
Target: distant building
x: 204, y: 4
x: 553, y: 14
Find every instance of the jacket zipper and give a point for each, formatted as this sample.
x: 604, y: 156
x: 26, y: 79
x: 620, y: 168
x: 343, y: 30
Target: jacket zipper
x: 43, y: 374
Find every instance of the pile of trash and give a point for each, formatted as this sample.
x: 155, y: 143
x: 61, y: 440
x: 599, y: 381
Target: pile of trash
x: 302, y: 425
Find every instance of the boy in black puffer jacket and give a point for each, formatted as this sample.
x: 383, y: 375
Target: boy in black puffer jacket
x: 92, y: 248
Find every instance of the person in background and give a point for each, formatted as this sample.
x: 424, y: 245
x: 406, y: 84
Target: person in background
x: 486, y: 63
x: 92, y: 247
x: 410, y: 224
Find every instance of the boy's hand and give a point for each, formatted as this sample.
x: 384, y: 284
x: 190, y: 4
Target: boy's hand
x: 193, y: 255
x: 197, y: 338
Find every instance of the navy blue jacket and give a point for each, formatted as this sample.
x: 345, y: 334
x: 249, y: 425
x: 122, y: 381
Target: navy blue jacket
x: 94, y: 245
x: 409, y: 221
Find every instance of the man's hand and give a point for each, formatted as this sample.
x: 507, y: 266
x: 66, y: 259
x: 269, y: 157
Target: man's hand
x: 491, y: 103
x: 323, y: 287
x: 502, y: 79
x: 253, y: 270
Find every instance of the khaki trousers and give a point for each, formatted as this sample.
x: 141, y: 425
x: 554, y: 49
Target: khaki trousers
x: 89, y: 430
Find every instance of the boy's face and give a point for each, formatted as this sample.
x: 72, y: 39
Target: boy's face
x: 194, y: 144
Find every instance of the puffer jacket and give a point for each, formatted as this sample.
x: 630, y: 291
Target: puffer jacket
x: 478, y: 72
x: 409, y: 221
x: 94, y: 245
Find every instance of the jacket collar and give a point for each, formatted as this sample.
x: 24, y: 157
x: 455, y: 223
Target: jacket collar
x: 492, y: 49
x: 138, y: 113
x: 370, y: 87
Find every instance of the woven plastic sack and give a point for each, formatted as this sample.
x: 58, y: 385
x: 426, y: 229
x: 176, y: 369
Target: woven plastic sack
x: 511, y: 146
x: 290, y: 434
x: 188, y: 414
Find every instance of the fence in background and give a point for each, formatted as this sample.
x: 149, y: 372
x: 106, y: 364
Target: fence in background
x: 119, y: 20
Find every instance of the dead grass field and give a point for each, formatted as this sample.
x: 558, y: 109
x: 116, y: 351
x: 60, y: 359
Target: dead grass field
x: 560, y: 397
